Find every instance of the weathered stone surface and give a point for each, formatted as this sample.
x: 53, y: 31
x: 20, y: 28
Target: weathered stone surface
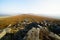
x: 33, y: 34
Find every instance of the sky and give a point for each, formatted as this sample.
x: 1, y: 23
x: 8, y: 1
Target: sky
x: 39, y: 7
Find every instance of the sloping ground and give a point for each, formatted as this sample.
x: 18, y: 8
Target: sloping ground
x: 19, y: 18
x: 33, y: 32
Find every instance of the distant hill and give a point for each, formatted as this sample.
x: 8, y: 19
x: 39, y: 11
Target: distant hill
x: 13, y: 19
x: 2, y: 14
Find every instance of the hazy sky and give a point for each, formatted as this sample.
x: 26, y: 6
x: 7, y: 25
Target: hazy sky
x: 44, y: 7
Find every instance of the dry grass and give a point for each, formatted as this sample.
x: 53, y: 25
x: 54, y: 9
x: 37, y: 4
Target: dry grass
x: 4, y: 22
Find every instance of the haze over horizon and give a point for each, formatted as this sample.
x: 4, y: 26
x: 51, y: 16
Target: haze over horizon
x: 38, y: 7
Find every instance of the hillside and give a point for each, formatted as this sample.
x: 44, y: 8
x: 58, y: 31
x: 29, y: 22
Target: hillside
x: 19, y: 18
x: 23, y: 27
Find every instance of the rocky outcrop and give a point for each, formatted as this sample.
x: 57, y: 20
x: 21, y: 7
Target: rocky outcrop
x: 32, y: 31
x: 33, y: 34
